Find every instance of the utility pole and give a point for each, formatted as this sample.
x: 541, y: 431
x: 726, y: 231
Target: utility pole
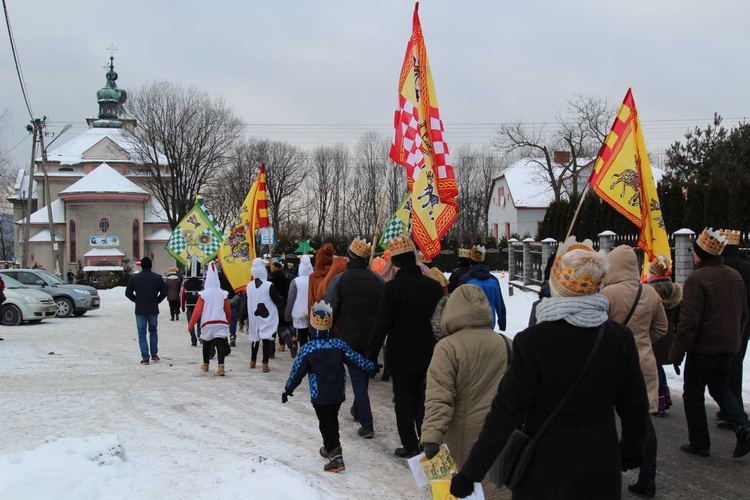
x: 33, y: 128
x: 57, y: 254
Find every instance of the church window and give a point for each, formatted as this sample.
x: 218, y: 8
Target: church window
x: 72, y: 241
x: 104, y: 225
x: 136, y: 240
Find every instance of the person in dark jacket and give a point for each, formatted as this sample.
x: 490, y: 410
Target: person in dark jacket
x: 354, y: 296
x: 713, y: 316
x: 579, y: 456
x: 479, y: 274
x: 464, y: 263
x: 281, y: 281
x: 323, y: 359
x: 147, y: 289
x: 544, y: 291
x: 233, y: 305
x: 404, y: 315
x: 733, y: 259
x: 174, y: 287
x: 189, y: 298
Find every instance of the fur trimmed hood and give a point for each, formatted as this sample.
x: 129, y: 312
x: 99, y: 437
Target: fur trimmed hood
x: 670, y: 293
x: 467, y: 307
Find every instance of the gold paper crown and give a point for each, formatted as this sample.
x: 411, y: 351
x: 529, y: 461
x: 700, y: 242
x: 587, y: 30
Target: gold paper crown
x: 321, y: 316
x: 360, y: 248
x: 564, y: 279
x: 713, y: 242
x: 464, y: 253
x: 477, y: 253
x: 399, y: 245
x: 732, y: 236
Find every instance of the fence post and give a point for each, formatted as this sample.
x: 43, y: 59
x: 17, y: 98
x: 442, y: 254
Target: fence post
x: 527, y: 260
x: 511, y: 259
x: 606, y: 240
x: 683, y: 254
x: 548, y: 246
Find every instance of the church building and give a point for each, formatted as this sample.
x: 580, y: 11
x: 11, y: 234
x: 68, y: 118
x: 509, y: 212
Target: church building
x: 103, y: 213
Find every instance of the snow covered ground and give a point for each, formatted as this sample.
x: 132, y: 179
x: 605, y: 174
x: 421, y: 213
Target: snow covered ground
x: 81, y: 418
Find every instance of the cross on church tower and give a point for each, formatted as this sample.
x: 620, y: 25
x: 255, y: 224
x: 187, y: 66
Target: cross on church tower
x: 111, y: 49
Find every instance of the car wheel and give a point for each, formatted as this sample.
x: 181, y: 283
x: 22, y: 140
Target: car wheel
x: 64, y: 307
x: 11, y: 315
x: 79, y: 313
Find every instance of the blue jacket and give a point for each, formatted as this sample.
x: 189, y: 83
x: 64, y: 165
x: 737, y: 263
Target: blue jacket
x: 323, y: 359
x: 147, y: 289
x: 480, y: 275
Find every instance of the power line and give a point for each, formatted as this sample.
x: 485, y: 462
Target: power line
x: 15, y: 60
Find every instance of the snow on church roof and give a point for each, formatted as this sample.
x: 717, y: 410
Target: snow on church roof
x: 154, y: 212
x: 103, y: 179
x: 161, y: 234
x: 73, y: 151
x: 40, y: 216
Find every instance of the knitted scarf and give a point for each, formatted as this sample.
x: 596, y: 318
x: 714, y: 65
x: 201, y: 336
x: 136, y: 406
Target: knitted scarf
x: 587, y: 311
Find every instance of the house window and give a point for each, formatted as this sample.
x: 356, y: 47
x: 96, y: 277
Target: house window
x: 103, y: 225
x: 72, y: 241
x: 507, y: 230
x: 494, y: 230
x: 136, y: 240
x: 500, y: 194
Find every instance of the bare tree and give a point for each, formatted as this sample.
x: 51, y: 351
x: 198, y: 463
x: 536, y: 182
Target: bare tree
x: 182, y: 139
x: 475, y: 170
x: 321, y: 182
x: 367, y: 183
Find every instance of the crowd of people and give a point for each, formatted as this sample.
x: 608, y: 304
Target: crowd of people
x: 597, y: 343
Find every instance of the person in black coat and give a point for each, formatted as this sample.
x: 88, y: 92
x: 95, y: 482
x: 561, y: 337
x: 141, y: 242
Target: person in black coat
x: 354, y: 296
x: 579, y: 456
x: 147, y: 289
x: 404, y: 314
x: 281, y: 281
x: 464, y: 263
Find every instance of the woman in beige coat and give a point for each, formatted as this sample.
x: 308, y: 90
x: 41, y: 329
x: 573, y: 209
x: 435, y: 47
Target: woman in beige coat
x: 648, y: 323
x: 469, y: 361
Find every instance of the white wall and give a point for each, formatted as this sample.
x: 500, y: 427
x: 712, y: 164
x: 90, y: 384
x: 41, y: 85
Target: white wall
x: 498, y: 214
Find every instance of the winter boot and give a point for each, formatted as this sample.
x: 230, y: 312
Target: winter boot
x: 252, y: 364
x: 405, y: 453
x: 282, y: 348
x: 643, y: 488
x: 743, y: 442
x: 221, y: 371
x: 233, y: 343
x: 177, y: 317
x: 366, y: 432
x: 204, y: 367
x: 293, y: 348
x: 336, y: 461
x: 694, y: 450
x: 323, y: 452
x: 266, y: 369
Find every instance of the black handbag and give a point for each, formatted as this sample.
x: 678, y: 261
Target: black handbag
x: 513, y: 461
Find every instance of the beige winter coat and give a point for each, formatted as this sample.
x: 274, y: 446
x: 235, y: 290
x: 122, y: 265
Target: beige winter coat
x: 465, y: 371
x: 649, y: 321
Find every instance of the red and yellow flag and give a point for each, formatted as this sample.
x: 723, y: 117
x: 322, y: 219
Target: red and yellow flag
x: 623, y: 178
x: 238, y: 249
x: 418, y: 145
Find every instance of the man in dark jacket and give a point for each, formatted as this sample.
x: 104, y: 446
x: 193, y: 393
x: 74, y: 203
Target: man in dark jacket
x: 713, y: 315
x: 733, y: 259
x: 354, y: 296
x: 404, y: 314
x: 281, y: 282
x: 479, y: 274
x: 463, y: 267
x: 147, y: 289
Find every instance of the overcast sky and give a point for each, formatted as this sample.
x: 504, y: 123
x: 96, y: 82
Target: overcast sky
x: 335, y: 63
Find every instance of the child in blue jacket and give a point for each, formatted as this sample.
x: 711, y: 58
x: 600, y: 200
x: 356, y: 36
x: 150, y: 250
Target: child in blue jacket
x: 323, y: 360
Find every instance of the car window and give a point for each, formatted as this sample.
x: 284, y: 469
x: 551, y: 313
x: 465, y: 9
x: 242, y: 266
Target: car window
x: 50, y: 278
x: 11, y: 283
x: 12, y: 274
x: 27, y: 278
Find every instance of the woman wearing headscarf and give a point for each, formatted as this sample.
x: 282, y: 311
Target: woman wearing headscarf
x: 578, y: 456
x: 214, y: 313
x: 262, y: 313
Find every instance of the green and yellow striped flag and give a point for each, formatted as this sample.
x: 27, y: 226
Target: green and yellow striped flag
x: 399, y: 224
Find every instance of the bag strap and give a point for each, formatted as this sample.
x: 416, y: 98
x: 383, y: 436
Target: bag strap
x: 507, y: 346
x: 635, y: 304
x: 565, y: 398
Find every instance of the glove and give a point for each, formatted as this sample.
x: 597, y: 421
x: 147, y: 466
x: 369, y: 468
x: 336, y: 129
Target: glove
x: 431, y: 449
x: 677, y: 368
x: 461, y: 486
x: 285, y: 396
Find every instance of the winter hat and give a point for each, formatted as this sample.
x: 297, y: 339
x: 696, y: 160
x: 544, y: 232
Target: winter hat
x: 660, y: 268
x: 578, y: 269
x: 305, y: 266
x: 321, y: 316
x: 212, y: 285
x: 324, y: 256
x: 360, y: 248
x: 258, y: 269
x: 146, y: 263
x: 711, y: 242
x: 477, y: 253
x: 404, y: 259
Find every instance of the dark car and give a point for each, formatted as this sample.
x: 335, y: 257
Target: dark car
x: 70, y: 299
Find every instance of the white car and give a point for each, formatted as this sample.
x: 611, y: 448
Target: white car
x: 25, y: 304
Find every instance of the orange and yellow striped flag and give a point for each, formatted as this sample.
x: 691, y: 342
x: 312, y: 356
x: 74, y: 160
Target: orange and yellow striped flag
x: 623, y: 178
x: 238, y: 249
x: 419, y: 146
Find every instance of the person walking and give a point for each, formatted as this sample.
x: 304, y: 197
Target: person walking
x: 403, y: 317
x: 578, y: 367
x: 296, y: 312
x: 323, y: 262
x: 281, y: 281
x: 464, y: 264
x: 469, y: 357
x: 174, y: 287
x: 191, y: 286
x: 479, y: 274
x: 147, y: 289
x: 354, y: 296
x: 713, y: 317
x: 71, y: 277
x: 213, y: 312
x: 639, y: 308
x: 262, y: 313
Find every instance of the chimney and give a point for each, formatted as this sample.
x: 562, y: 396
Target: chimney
x: 562, y: 157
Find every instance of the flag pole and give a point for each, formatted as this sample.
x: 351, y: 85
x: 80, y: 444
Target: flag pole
x: 580, y: 204
x: 376, y: 233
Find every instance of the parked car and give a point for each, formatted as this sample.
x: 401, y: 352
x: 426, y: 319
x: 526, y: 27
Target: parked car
x: 23, y: 303
x: 70, y: 299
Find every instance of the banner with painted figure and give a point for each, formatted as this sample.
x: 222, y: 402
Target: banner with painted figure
x: 419, y: 146
x: 623, y: 178
x: 196, y: 234
x: 238, y: 249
